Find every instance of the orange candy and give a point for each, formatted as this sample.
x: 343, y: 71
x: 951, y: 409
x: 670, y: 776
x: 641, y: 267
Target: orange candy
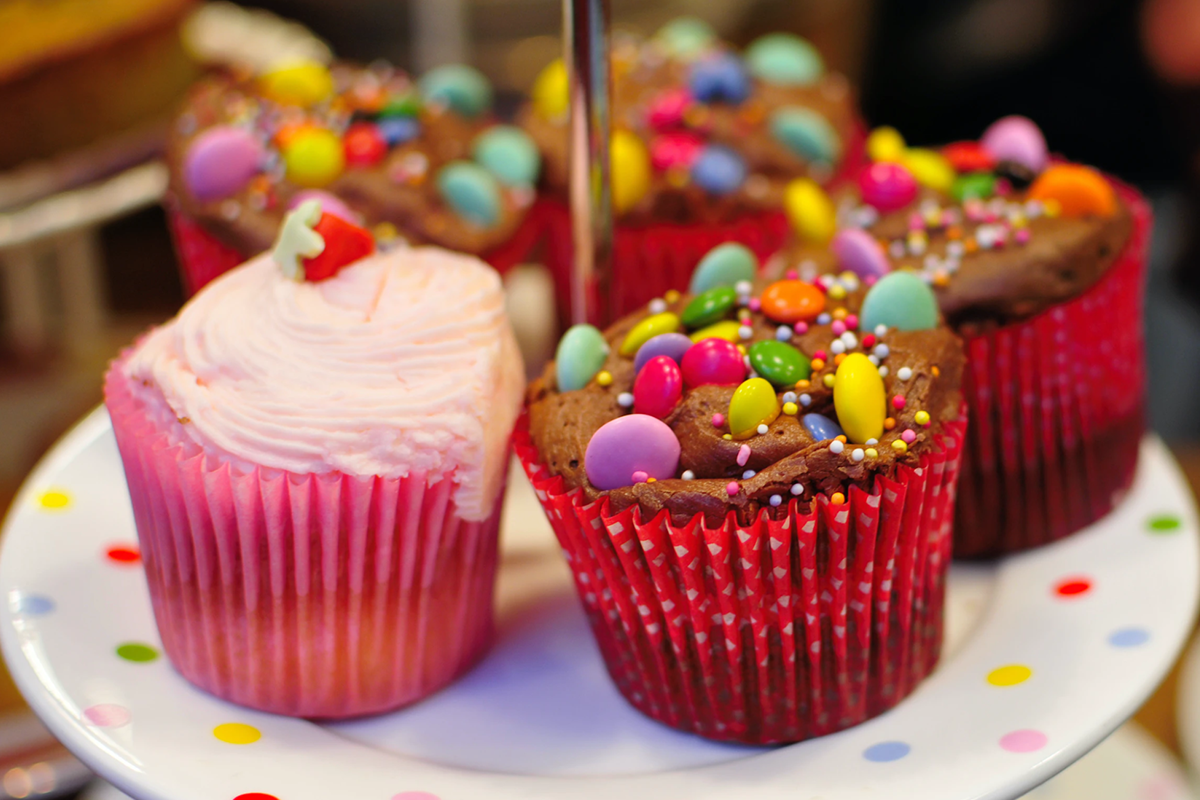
x: 792, y: 301
x: 1079, y: 190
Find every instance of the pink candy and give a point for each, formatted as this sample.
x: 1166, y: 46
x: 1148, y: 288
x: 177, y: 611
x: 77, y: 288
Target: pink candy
x: 887, y: 186
x: 679, y: 149
x: 658, y: 387
x: 666, y: 110
x: 713, y: 361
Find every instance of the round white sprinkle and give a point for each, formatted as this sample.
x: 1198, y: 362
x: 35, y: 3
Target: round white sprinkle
x: 881, y: 329
x: 850, y: 340
x: 762, y: 429
x: 743, y: 287
x: 805, y: 400
x: 745, y: 332
x: 882, y: 351
x: 871, y: 442
x: 658, y: 305
x: 783, y: 333
x: 836, y: 447
x: 883, y: 372
x: 857, y: 455
x: 625, y: 400
x: 776, y: 501
x: 837, y: 347
x: 873, y: 359
x: 748, y: 474
x: 789, y: 397
x: 688, y: 475
x: 904, y: 373
x: 824, y: 319
x: 797, y: 489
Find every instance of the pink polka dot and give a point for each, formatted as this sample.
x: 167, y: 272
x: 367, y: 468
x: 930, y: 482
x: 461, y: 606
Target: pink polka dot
x: 107, y: 715
x: 1023, y: 741
x: 415, y: 796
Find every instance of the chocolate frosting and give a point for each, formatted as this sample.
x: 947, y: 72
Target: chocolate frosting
x: 562, y: 423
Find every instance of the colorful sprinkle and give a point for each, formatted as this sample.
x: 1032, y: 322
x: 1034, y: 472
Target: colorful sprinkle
x: 1025, y: 741
x: 54, y: 499
x: 237, y: 733
x: 1073, y: 587
x: 107, y: 715
x: 887, y: 751
x: 1129, y: 637
x: 137, y: 652
x: 1010, y: 675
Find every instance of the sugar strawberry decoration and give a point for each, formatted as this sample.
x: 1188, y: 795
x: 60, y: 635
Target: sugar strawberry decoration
x: 314, y: 245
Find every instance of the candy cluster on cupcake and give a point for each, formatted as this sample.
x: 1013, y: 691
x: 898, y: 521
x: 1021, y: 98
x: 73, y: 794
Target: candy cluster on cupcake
x: 705, y: 139
x: 734, y: 432
x: 415, y: 159
x: 1038, y: 262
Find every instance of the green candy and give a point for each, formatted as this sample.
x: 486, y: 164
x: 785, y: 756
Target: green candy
x: 471, y: 191
x: 509, y: 154
x: 785, y: 59
x: 458, y: 86
x: 779, y: 362
x: 709, y: 307
x: 686, y: 37
x: 724, y: 265
x: 581, y: 353
x: 806, y: 133
x: 401, y: 105
x: 979, y: 185
x: 899, y: 300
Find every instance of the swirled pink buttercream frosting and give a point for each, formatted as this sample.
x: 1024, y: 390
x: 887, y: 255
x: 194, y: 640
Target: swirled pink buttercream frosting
x: 403, y: 361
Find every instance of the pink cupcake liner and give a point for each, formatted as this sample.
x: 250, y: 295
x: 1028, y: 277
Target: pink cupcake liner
x: 324, y: 596
x: 776, y: 631
x: 1056, y: 411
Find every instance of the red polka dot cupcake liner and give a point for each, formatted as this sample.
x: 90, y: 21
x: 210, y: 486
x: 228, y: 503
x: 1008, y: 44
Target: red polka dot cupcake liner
x: 777, y: 631
x: 323, y: 596
x: 203, y: 257
x: 1056, y: 411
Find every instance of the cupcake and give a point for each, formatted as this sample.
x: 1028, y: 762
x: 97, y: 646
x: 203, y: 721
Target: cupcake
x: 754, y: 485
x: 316, y: 449
x: 1039, y: 264
x: 422, y: 161
x: 704, y: 141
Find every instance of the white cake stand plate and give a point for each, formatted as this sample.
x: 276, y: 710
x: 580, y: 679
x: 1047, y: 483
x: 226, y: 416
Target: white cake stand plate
x: 1047, y: 653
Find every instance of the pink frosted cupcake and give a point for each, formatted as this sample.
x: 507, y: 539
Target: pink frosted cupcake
x: 317, y: 468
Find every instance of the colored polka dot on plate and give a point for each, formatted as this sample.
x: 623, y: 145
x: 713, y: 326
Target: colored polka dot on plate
x: 256, y: 796
x: 415, y: 796
x: 107, y: 715
x: 33, y: 605
x: 54, y: 499
x: 1009, y: 675
x: 137, y: 652
x: 1164, y: 523
x: 1129, y: 637
x: 1027, y: 741
x: 237, y: 733
x: 1072, y: 587
x: 123, y: 554
x: 887, y: 751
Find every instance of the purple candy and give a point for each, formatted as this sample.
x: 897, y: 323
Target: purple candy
x: 673, y: 345
x: 1016, y: 139
x: 330, y: 204
x: 220, y: 162
x: 858, y: 252
x: 635, y: 443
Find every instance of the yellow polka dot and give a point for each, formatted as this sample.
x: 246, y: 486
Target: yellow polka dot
x: 237, y: 733
x: 1009, y: 675
x: 54, y: 499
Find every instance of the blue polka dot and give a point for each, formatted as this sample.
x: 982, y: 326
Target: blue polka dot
x: 886, y: 751
x: 34, y: 605
x: 1129, y: 637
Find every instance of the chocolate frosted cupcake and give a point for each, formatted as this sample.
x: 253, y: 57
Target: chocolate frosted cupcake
x: 754, y: 487
x: 705, y: 140
x: 1039, y: 264
x: 418, y: 160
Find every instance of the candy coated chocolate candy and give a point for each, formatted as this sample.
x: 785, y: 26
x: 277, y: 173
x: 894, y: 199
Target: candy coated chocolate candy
x: 859, y: 252
x: 725, y: 265
x: 784, y: 59
x: 709, y: 307
x: 508, y: 153
x: 859, y: 398
x: 820, y: 427
x: 686, y: 37
x: 929, y: 168
x: 887, y: 186
x: 753, y: 403
x: 726, y: 329
x: 647, y: 329
x: 658, y: 387
x: 885, y: 144
x: 676, y: 149
x: 364, y: 145
x: 810, y: 211
x: 581, y: 353
x: 806, y: 133
x: 665, y: 111
x: 968, y: 157
x: 779, y: 362
x: 314, y: 157
x: 630, y: 164
x: 899, y: 300
x: 398, y: 130
x: 459, y: 87
x: 345, y: 243
x: 672, y: 345
x: 792, y: 301
x: 719, y: 170
x: 1017, y: 139
x: 719, y: 78
x: 220, y: 162
x: 625, y: 445
x: 470, y: 191
x: 979, y: 185
x: 712, y: 362
x: 407, y: 104
x: 550, y: 91
x: 303, y: 83
x: 1078, y: 190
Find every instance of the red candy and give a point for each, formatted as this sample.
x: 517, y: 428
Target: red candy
x: 364, y: 145
x: 968, y: 157
x: 345, y: 243
x: 713, y: 361
x: 679, y: 149
x: 658, y: 388
x: 666, y: 110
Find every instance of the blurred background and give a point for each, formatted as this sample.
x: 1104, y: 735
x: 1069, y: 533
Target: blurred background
x: 86, y: 262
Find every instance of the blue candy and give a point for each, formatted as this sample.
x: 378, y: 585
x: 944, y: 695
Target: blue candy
x: 458, y: 86
x: 471, y: 191
x: 398, y: 130
x: 672, y: 345
x: 785, y: 59
x: 509, y: 154
x: 821, y: 427
x: 720, y: 78
x: 806, y: 133
x: 719, y: 170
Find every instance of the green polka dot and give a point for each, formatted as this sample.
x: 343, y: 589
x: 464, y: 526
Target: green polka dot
x: 1164, y: 523
x: 138, y: 653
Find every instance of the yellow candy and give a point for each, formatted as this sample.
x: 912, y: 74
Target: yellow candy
x: 727, y: 330
x: 314, y: 158
x: 810, y: 211
x: 630, y: 170
x: 300, y: 83
x: 930, y: 168
x: 754, y: 403
x: 858, y: 398
x: 647, y: 329
x: 885, y: 144
x: 550, y: 91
